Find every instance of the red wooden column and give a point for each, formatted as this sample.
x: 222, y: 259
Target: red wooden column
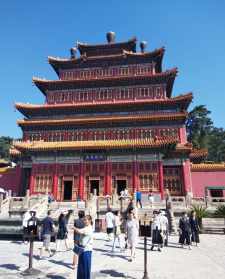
x: 32, y: 180
x: 81, y: 181
x: 55, y: 181
x: 108, y: 178
x: 135, y: 177
x: 161, y: 187
x: 186, y: 170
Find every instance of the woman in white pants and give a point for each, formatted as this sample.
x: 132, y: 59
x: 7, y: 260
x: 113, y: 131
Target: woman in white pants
x: 132, y: 232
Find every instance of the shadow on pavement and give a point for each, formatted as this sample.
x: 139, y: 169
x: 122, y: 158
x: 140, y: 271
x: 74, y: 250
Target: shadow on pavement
x: 116, y: 256
x: 34, y: 256
x: 55, y: 277
x: 100, y: 250
x: 68, y: 265
x: 114, y: 273
x: 10, y: 266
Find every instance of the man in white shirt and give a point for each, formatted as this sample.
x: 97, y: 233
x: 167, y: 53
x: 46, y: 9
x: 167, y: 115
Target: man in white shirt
x: 109, y: 219
x: 26, y: 217
x: 164, y: 226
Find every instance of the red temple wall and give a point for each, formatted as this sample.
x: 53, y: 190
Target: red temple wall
x: 11, y: 180
x: 201, y: 179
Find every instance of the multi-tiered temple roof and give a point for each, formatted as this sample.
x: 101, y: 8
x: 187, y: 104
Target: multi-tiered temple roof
x: 136, y: 86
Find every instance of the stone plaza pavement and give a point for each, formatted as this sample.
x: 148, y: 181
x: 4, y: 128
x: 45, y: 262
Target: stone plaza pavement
x: 204, y: 262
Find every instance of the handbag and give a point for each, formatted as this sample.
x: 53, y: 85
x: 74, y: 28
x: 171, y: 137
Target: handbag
x: 78, y: 250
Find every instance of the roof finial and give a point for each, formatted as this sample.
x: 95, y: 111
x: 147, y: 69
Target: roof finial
x: 73, y: 51
x: 110, y: 37
x: 143, y: 45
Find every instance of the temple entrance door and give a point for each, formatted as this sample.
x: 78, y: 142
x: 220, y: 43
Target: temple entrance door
x: 121, y: 185
x: 94, y: 187
x: 67, y: 196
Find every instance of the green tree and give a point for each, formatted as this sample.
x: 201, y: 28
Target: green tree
x: 5, y: 143
x: 216, y: 145
x: 199, y: 126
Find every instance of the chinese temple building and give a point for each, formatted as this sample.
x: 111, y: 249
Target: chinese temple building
x: 108, y: 123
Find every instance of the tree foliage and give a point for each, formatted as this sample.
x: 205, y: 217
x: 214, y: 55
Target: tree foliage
x: 199, y: 126
x: 216, y: 145
x: 5, y: 143
x: 202, y: 134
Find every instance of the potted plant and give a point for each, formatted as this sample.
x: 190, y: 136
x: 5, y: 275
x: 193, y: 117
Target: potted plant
x: 220, y: 211
x: 200, y: 211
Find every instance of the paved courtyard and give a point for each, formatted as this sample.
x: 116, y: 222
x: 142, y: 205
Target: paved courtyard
x: 204, y: 262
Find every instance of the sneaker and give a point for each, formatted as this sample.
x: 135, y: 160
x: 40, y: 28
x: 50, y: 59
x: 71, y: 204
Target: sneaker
x: 159, y: 250
x: 190, y: 248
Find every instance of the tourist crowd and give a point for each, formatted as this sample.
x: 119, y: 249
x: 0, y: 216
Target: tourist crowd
x: 122, y: 230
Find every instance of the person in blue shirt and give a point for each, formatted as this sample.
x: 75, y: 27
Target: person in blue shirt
x: 47, y: 230
x: 138, y: 199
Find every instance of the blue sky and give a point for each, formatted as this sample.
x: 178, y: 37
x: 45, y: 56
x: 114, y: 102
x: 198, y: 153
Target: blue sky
x: 193, y: 33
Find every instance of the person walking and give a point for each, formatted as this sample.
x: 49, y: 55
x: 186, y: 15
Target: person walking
x: 194, y: 228
x: 151, y: 199
x: 47, y: 231
x: 156, y: 232
x: 132, y: 233
x: 117, y: 231
x: 164, y: 225
x: 26, y: 217
x: 62, y: 232
x: 109, y: 219
x: 185, y: 231
x: 79, y: 224
x: 132, y: 206
x: 86, y: 245
x: 138, y: 199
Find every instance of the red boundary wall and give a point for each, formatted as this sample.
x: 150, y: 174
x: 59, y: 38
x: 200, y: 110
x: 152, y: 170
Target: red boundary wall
x: 202, y: 179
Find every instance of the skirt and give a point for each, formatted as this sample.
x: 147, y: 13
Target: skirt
x: 61, y: 235
x: 195, y: 237
x: 84, y: 265
x: 157, y: 237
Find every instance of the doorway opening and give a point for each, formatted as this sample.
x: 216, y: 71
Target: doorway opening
x: 121, y: 185
x: 94, y: 187
x: 68, y: 190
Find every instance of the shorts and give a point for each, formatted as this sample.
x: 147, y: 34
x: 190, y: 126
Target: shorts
x: 109, y: 230
x: 46, y: 240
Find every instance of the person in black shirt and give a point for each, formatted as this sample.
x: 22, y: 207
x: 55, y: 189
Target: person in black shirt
x: 185, y: 231
x: 194, y: 228
x: 62, y: 231
x: 47, y: 231
x: 79, y: 224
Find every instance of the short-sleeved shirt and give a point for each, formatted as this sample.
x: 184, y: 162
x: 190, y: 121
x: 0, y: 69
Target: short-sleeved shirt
x: 138, y: 195
x: 47, y: 225
x: 109, y: 218
x: 79, y: 224
x: 86, y: 238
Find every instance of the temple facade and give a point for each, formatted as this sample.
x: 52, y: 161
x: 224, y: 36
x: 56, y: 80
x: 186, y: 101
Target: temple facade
x: 108, y: 123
